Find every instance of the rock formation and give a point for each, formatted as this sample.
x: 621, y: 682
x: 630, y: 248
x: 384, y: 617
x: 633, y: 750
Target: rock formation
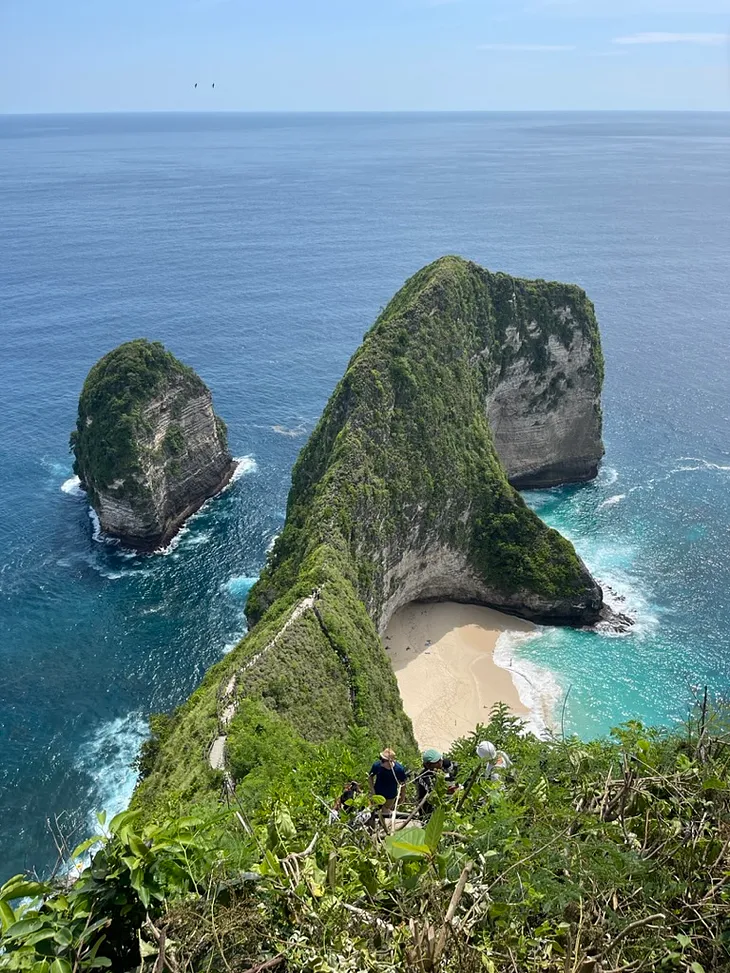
x: 399, y: 495
x: 544, y: 404
x: 149, y: 450
x: 402, y: 471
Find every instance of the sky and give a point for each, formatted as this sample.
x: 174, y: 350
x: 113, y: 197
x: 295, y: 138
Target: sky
x: 363, y: 55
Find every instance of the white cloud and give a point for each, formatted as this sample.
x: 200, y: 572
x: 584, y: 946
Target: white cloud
x: 659, y: 37
x: 526, y: 47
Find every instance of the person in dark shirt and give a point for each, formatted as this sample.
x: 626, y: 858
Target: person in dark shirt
x: 386, y: 778
x: 433, y: 763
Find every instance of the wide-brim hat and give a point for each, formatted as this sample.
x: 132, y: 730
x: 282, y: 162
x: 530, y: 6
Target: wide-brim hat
x: 387, y: 754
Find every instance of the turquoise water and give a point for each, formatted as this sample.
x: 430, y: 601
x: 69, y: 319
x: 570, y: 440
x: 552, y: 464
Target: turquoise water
x: 259, y: 249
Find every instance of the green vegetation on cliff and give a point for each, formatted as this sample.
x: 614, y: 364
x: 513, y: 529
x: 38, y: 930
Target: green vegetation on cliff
x: 111, y: 419
x: 401, y: 465
x: 403, y: 454
x: 585, y: 857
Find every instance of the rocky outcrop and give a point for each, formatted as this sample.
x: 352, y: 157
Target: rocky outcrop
x: 402, y: 494
x: 546, y: 421
x: 148, y: 447
x: 468, y: 382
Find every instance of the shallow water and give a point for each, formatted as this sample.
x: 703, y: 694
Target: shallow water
x: 259, y: 249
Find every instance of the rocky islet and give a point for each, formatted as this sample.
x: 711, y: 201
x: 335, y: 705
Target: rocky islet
x: 148, y: 448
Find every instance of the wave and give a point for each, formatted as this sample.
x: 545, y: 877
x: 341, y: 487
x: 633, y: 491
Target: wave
x: 294, y: 432
x: 230, y: 646
x: 538, y: 687
x: 607, y: 476
x: 244, y: 464
x: 72, y: 487
x: 107, y: 758
x: 700, y: 464
x: 612, y: 501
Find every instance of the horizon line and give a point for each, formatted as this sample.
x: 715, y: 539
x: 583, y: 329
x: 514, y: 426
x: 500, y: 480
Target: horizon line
x: 370, y: 111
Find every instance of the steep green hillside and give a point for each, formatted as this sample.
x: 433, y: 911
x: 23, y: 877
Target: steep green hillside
x: 584, y: 857
x: 398, y: 495
x: 403, y: 465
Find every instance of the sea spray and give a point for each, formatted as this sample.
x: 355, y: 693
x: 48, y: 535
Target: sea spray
x: 72, y: 487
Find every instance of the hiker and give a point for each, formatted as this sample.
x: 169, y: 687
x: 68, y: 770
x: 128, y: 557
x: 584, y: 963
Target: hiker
x: 386, y: 779
x: 433, y: 763
x: 344, y: 801
x: 494, y: 760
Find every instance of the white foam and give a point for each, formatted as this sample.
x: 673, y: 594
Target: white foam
x: 195, y: 540
x: 72, y: 487
x: 244, y: 464
x: 607, y: 476
x: 96, y: 532
x: 240, y: 585
x: 230, y: 646
x: 107, y: 757
x: 612, y: 501
x: 538, y: 688
x: 270, y: 545
x: 295, y: 431
x: 699, y: 464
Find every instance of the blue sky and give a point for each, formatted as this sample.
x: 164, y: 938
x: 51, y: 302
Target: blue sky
x: 112, y: 55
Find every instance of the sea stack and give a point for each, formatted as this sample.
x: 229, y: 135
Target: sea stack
x: 149, y: 449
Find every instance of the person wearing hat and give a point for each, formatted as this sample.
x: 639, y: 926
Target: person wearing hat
x: 433, y: 763
x: 493, y: 760
x: 386, y: 778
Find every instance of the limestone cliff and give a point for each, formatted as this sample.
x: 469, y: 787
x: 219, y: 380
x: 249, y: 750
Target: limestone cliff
x: 399, y: 495
x: 149, y: 449
x: 402, y: 471
x: 544, y: 400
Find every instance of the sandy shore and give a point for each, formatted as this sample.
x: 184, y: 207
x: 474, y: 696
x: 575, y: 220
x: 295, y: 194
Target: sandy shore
x: 443, y: 657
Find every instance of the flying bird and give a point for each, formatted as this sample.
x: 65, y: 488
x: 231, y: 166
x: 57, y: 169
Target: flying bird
x: 196, y: 84
x: 213, y: 85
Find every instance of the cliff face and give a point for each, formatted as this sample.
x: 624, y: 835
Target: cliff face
x: 545, y: 416
x: 148, y: 446
x: 468, y: 380
x: 400, y: 494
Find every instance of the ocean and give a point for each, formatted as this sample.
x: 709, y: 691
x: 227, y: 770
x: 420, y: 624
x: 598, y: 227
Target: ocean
x: 259, y: 249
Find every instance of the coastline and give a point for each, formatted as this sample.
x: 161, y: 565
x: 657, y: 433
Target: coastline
x: 453, y: 662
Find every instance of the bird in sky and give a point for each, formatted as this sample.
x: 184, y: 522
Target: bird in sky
x: 213, y: 85
x: 196, y: 84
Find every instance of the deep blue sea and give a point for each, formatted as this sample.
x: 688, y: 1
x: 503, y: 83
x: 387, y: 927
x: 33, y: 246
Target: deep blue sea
x: 259, y: 250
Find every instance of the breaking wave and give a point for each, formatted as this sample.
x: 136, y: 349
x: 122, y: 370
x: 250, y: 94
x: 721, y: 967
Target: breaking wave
x: 107, y: 758
x: 72, y: 487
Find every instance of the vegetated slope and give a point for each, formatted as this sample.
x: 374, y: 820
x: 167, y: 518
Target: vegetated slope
x: 401, y: 478
x: 148, y: 448
x: 398, y: 495
x: 587, y: 857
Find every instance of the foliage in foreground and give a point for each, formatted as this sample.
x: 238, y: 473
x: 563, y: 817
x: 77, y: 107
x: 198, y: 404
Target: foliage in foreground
x: 587, y: 858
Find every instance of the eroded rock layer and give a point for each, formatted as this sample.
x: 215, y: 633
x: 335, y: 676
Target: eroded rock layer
x: 148, y: 446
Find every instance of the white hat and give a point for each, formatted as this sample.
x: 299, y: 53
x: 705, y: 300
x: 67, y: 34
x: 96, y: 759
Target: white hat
x: 486, y: 750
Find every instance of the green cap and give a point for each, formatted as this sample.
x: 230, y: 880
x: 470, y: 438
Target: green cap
x: 431, y: 756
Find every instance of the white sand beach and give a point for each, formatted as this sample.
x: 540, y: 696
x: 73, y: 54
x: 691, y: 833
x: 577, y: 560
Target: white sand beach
x: 443, y: 657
